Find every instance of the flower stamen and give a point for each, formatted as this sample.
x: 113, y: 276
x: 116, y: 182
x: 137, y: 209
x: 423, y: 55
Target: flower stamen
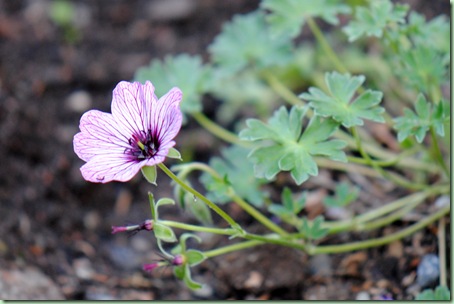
x: 143, y: 146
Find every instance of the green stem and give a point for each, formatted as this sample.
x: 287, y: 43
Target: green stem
x: 437, y: 153
x: 189, y: 227
x: 383, y: 240
x: 397, y: 179
x: 442, y: 251
x: 359, y: 221
x: 326, y: 47
x: 390, y: 218
x: 230, y: 248
x: 257, y: 214
x: 281, y: 89
x: 218, y: 131
x: 275, y: 239
x: 210, y: 204
x: 186, y: 169
x: 387, y: 163
x: 347, y: 167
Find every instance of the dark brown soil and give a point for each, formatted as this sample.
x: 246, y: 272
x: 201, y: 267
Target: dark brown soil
x: 55, y: 227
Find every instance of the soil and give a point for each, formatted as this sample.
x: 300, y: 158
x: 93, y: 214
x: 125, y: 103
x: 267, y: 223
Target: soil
x: 55, y: 227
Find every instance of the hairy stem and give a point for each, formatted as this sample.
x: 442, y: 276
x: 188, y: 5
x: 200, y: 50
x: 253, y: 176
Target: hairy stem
x: 397, y: 179
x: 210, y: 204
x: 436, y: 152
x: 282, y: 90
x: 326, y: 47
x: 442, y: 250
x: 218, y: 131
x: 383, y: 240
x: 227, y: 231
x: 186, y: 169
x: 257, y: 214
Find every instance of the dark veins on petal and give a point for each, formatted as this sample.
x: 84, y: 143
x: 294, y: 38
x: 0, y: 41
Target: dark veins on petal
x: 144, y: 145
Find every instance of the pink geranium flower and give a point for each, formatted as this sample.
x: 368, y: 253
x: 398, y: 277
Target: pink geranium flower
x: 138, y: 133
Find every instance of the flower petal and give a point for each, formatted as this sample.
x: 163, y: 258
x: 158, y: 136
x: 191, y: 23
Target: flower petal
x: 99, y: 135
x: 130, y: 105
x: 110, y: 167
x: 167, y: 117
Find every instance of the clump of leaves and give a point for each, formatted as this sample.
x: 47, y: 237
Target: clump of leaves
x: 287, y: 17
x: 246, y: 42
x: 426, y: 117
x: 184, y: 71
x: 372, y: 20
x: 344, y: 195
x: 237, y: 172
x: 441, y: 293
x: 289, y: 208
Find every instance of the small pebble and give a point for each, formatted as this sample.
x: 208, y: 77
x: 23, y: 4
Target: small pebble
x: 442, y: 201
x: 254, y: 280
x: 83, y: 268
x: 79, y: 101
x: 338, y: 213
x: 320, y: 265
x: 205, y: 292
x: 363, y: 296
x: 166, y: 10
x: 428, y: 270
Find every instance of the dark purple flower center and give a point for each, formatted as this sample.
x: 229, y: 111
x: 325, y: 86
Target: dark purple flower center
x: 144, y: 145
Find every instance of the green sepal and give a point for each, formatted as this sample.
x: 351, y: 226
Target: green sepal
x: 184, y: 237
x: 179, y: 271
x: 174, y: 153
x: 150, y: 173
x: 188, y: 280
x: 164, y: 233
x: 199, y: 209
x: 165, y: 201
x: 154, y: 213
x: 194, y: 257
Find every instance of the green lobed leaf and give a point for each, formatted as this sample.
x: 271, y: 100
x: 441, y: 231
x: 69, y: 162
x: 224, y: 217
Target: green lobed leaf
x: 417, y: 124
x: 246, y: 41
x: 423, y: 67
x: 288, y: 148
x: 344, y: 195
x: 282, y: 212
x: 183, y: 71
x: 289, y: 207
x: 238, y: 92
x: 287, y: 17
x: 441, y: 293
x: 434, y: 33
x: 313, y: 229
x: 338, y: 104
x: 372, y: 20
x: 237, y: 172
